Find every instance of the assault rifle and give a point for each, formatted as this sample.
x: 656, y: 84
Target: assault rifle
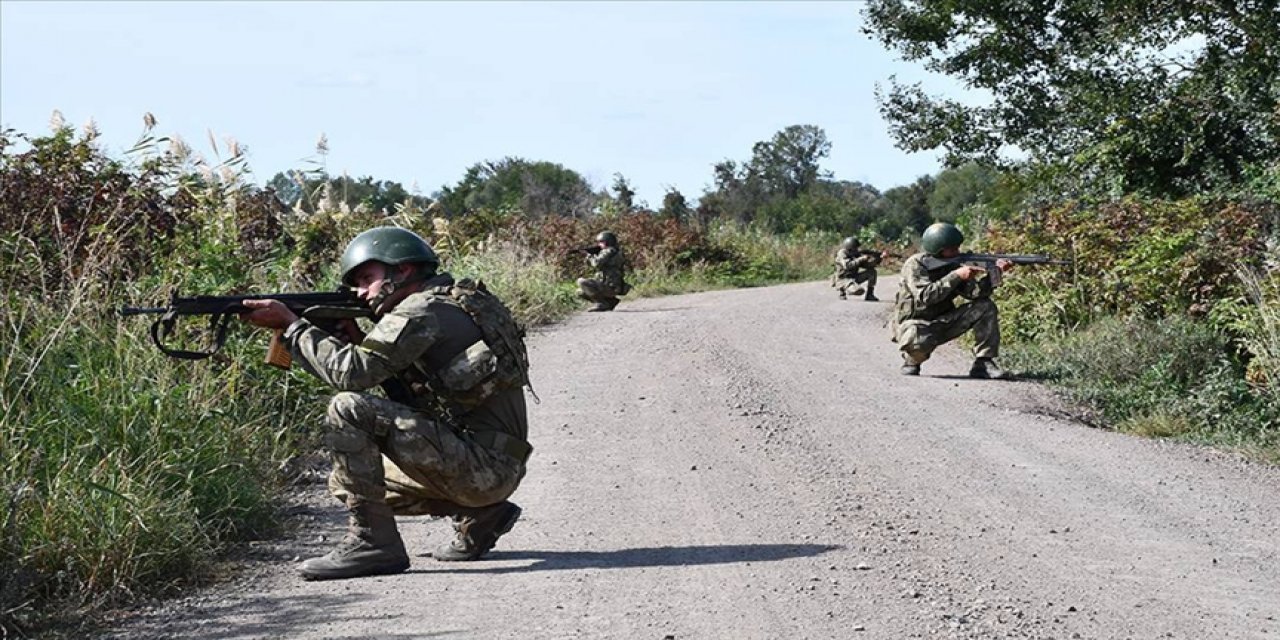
x: 879, y: 253
x: 320, y: 308
x: 987, y: 262
x: 590, y: 249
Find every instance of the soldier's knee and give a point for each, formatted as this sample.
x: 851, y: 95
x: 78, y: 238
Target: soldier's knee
x: 985, y: 306
x: 349, y: 407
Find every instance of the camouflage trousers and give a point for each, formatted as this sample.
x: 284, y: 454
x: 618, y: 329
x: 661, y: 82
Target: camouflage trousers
x: 847, y: 282
x: 384, y: 451
x: 595, y: 291
x: 918, y: 338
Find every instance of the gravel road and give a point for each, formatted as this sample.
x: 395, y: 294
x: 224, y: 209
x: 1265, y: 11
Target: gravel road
x: 749, y: 464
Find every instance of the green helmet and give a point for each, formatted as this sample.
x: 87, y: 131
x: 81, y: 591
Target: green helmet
x: 939, y: 236
x: 850, y: 243
x: 390, y: 245
x: 608, y: 238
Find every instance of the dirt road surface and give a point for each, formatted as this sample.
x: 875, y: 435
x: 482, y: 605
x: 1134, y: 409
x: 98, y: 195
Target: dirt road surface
x: 750, y: 464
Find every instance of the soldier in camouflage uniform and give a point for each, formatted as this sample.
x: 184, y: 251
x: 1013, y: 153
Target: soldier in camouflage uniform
x: 854, y: 267
x: 450, y: 437
x: 606, y: 256
x: 926, y: 312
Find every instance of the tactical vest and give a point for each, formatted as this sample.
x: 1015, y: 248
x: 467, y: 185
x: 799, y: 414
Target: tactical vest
x: 497, y: 362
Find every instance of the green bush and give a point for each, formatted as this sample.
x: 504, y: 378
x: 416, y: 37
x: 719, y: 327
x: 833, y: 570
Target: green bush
x: 1133, y: 256
x: 1176, y: 376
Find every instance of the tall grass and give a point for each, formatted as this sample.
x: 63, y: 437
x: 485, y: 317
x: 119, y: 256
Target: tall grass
x: 1174, y: 377
x: 124, y: 472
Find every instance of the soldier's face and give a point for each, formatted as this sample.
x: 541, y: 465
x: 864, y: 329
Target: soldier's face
x: 368, y: 279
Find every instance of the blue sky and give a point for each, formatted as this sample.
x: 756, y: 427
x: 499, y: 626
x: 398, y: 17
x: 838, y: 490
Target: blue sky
x: 417, y: 92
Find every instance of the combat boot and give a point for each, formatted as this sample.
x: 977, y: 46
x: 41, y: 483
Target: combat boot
x: 843, y: 295
x: 986, y: 368
x: 372, y: 547
x: 871, y: 297
x: 477, y: 531
x: 909, y: 369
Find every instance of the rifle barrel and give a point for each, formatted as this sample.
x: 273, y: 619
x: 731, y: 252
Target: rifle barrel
x: 137, y: 311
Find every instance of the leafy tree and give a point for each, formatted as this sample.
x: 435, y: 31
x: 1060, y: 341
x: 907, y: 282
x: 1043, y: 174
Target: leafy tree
x: 625, y: 194
x: 538, y: 189
x: 788, y: 164
x: 780, y: 169
x: 906, y: 208
x: 957, y: 189
x: 1165, y: 98
x: 675, y: 206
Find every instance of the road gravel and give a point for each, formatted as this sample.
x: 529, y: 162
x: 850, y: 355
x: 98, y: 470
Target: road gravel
x: 750, y: 464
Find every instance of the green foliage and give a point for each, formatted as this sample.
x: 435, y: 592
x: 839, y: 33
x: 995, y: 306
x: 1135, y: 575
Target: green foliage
x: 906, y: 208
x: 957, y: 190
x: 1162, y: 99
x: 535, y: 188
x: 1135, y: 256
x: 675, y: 206
x: 1175, y: 376
x: 780, y: 171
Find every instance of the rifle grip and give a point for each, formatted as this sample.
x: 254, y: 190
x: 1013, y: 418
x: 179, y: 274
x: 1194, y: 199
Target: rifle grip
x: 277, y: 353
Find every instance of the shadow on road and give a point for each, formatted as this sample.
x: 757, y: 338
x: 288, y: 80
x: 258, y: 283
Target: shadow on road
x: 643, y: 557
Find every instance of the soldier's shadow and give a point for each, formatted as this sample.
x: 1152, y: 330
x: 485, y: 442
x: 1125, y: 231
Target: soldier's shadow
x: 641, y: 557
x: 653, y: 310
x: 962, y: 376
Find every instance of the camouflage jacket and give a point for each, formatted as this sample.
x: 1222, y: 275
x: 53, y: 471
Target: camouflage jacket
x: 425, y: 339
x: 609, y: 265
x: 851, y: 261
x: 925, y: 295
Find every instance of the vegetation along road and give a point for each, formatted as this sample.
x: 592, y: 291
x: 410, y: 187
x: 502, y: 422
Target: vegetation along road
x: 749, y: 464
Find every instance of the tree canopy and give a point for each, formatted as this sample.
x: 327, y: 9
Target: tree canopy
x: 1165, y: 97
x: 537, y: 188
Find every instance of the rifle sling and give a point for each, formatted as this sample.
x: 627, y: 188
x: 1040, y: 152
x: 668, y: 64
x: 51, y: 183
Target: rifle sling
x: 218, y: 323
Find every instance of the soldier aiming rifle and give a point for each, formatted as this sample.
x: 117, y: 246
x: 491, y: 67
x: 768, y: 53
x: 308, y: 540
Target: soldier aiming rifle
x: 926, y: 314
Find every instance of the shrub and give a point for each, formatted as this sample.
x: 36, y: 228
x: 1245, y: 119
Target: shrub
x: 1173, y: 376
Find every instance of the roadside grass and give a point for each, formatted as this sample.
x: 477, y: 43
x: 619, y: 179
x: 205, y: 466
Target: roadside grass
x: 1175, y: 377
x: 124, y: 472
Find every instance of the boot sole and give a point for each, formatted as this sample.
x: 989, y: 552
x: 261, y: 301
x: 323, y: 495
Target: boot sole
x: 391, y: 569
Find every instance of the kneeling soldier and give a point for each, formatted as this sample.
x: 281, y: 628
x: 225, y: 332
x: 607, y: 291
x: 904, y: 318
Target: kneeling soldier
x: 926, y: 313
x: 854, y: 267
x: 450, y: 437
x: 606, y: 256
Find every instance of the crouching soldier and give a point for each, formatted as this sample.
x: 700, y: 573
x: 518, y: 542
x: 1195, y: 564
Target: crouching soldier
x: 926, y: 312
x: 450, y: 437
x: 855, y: 267
x: 604, y: 290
